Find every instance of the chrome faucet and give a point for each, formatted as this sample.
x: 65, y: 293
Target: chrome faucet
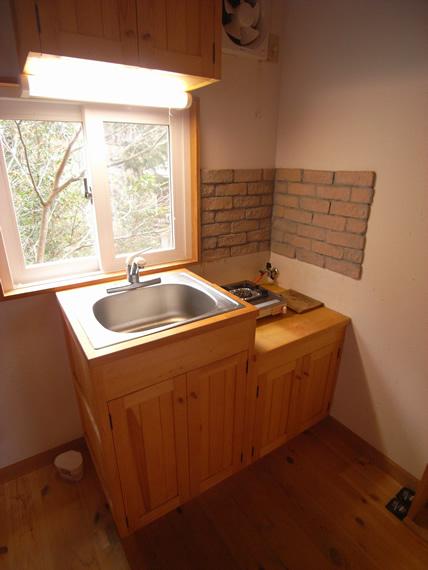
x: 134, y: 263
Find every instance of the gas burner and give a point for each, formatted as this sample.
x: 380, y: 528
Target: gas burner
x: 267, y: 302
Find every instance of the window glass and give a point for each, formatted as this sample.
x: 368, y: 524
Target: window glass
x: 46, y: 173
x: 138, y: 167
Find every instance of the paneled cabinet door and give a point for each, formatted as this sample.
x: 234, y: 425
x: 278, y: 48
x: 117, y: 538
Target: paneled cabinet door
x: 150, y: 439
x: 104, y: 30
x: 275, y: 389
x: 180, y: 36
x: 314, y: 387
x: 216, y: 401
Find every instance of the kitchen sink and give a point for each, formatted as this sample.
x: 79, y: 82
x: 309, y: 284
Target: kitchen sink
x: 178, y: 299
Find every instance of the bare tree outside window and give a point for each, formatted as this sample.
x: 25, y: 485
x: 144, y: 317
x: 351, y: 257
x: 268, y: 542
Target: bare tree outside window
x: 139, y: 179
x: 45, y: 167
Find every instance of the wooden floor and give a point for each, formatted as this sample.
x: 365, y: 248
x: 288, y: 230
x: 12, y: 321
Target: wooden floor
x: 313, y: 504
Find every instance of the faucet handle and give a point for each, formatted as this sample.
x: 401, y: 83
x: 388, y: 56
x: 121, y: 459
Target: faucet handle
x: 132, y: 256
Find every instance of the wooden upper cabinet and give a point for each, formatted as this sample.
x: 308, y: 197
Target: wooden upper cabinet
x: 180, y: 35
x: 216, y: 402
x: 150, y: 438
x: 104, y: 30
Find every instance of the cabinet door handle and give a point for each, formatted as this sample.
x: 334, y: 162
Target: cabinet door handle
x: 305, y: 373
x: 194, y: 395
x: 180, y: 400
x: 130, y: 33
x: 147, y: 36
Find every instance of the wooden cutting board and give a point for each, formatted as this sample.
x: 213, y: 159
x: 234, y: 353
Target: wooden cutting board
x: 297, y: 302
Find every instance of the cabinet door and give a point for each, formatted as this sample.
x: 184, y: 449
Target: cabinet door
x: 314, y: 387
x: 150, y: 439
x: 180, y: 35
x: 216, y: 400
x: 104, y: 30
x: 274, y: 394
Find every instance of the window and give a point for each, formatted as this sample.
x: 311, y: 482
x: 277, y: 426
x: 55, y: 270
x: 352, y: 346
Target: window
x: 81, y: 188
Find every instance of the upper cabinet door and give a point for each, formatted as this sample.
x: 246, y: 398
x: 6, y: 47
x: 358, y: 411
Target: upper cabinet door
x: 180, y: 35
x: 150, y: 438
x: 104, y: 30
x: 216, y: 401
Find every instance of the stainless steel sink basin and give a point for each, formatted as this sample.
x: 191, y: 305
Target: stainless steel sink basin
x: 171, y: 304
x: 180, y: 298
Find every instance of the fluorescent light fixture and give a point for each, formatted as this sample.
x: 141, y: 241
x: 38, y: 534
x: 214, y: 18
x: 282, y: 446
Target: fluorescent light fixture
x: 72, y: 79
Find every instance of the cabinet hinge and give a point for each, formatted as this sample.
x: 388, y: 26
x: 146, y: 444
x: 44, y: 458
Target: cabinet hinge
x: 110, y: 421
x: 252, y: 451
x: 37, y: 14
x: 257, y: 391
x: 242, y: 456
x: 213, y: 52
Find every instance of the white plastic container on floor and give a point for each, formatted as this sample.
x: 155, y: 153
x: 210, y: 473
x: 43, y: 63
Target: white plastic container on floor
x: 70, y: 465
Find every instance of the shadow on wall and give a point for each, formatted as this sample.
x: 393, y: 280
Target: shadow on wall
x: 357, y: 404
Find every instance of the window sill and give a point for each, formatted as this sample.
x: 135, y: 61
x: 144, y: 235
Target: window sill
x: 85, y: 281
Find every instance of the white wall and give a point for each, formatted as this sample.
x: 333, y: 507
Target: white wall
x: 354, y: 96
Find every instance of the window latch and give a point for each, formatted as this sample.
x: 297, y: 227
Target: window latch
x: 88, y: 190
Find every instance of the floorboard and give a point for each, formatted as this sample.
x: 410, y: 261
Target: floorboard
x: 316, y: 503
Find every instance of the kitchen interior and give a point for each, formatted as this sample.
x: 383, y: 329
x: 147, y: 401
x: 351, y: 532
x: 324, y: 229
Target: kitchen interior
x: 213, y: 301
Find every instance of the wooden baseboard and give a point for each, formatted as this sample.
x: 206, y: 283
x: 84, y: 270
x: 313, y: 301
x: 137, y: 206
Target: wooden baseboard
x: 40, y: 460
x: 376, y: 456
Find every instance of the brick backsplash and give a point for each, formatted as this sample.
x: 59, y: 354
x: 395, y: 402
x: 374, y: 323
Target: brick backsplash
x: 236, y: 212
x: 320, y: 217
x: 316, y: 216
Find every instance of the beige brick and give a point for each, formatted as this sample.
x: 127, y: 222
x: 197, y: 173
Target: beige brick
x: 277, y: 235
x: 297, y: 241
x: 255, y: 213
x: 345, y: 267
x: 210, y: 230
x: 265, y: 223
x: 269, y: 174
x: 318, y: 176
x: 283, y: 249
x: 246, y: 201
x: 232, y: 239
x: 315, y: 205
x: 301, y: 189
x: 258, y: 235
x: 207, y: 190
x: 311, y: 232
x: 229, y: 215
x: 298, y: 216
x: 248, y: 175
x: 354, y: 178
x: 266, y: 200
x: 244, y: 249
x: 334, y: 192
x: 286, y: 200
x: 349, y: 209
x: 264, y: 245
x: 327, y: 249
x: 356, y: 226
x: 354, y: 255
x: 329, y: 222
x: 281, y: 187
x: 346, y: 239
x: 237, y: 189
x: 244, y: 226
x: 260, y: 188
x: 217, y: 176
x: 278, y: 211
x: 290, y: 174
x: 207, y: 217
x: 310, y: 257
x: 212, y: 254
x: 362, y: 195
x: 209, y: 243
x: 285, y: 225
x: 224, y: 203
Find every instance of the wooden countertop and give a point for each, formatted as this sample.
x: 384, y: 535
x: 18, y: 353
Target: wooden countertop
x: 275, y: 332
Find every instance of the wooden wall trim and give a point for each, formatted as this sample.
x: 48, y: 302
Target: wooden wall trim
x: 39, y: 460
x: 375, y: 456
